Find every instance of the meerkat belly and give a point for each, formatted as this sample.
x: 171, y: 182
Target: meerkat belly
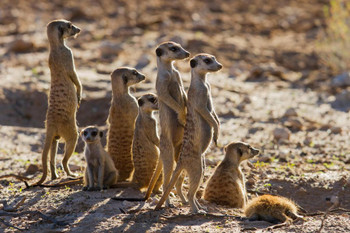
x: 62, y: 102
x: 204, y: 132
x: 145, y: 157
x: 223, y: 189
x: 119, y: 144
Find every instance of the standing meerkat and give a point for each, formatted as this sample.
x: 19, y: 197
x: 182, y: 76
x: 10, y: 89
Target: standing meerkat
x: 172, y: 113
x: 272, y: 209
x: 146, y: 142
x: 100, y: 171
x: 227, y: 184
x: 121, y: 120
x: 202, y: 125
x: 64, y: 98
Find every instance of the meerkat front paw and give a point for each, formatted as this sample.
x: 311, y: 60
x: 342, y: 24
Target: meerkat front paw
x: 182, y: 118
x: 85, y: 188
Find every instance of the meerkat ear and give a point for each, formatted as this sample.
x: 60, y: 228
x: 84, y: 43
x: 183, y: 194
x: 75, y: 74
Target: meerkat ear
x: 193, y: 63
x: 159, y: 52
x: 125, y: 79
x: 141, y: 102
x: 101, y: 134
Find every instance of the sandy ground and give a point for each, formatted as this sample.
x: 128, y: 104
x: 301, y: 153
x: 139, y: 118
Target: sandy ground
x: 272, y: 78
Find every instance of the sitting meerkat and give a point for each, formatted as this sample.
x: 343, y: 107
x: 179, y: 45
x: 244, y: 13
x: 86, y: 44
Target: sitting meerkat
x: 146, y: 142
x: 100, y: 171
x: 121, y: 120
x: 64, y: 98
x: 227, y: 185
x: 202, y: 126
x: 273, y: 209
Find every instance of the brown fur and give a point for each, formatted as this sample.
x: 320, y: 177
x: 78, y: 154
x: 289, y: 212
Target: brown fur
x: 65, y: 94
x: 273, y: 209
x: 121, y: 120
x: 227, y: 185
x: 146, y: 142
x: 172, y: 113
x: 201, y: 121
x: 100, y: 171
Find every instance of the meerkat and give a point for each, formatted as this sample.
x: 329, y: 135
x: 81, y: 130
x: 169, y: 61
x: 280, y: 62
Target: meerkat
x: 227, y: 185
x: 121, y: 120
x: 202, y: 125
x: 172, y: 113
x: 64, y: 98
x: 146, y: 142
x: 100, y: 171
x: 273, y: 209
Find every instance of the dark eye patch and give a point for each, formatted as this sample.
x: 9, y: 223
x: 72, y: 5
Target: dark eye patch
x: 240, y: 152
x: 69, y: 25
x: 134, y: 72
x: 173, y: 49
x: 85, y: 133
x: 207, y: 61
x: 152, y: 99
x: 94, y: 133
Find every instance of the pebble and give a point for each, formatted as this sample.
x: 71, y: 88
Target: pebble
x: 281, y: 134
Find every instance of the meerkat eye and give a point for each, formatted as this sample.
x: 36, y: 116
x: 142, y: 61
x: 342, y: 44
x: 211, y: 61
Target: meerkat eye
x: 152, y: 99
x: 94, y: 133
x: 173, y: 49
x: 85, y: 133
x: 134, y: 72
x: 69, y: 25
x: 207, y: 61
x: 240, y: 152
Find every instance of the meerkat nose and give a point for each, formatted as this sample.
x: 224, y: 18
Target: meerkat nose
x: 220, y: 66
x: 187, y: 54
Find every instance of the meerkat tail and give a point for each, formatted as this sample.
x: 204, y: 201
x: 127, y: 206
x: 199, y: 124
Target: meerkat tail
x: 154, y: 179
x: 174, y: 178
x: 48, y: 141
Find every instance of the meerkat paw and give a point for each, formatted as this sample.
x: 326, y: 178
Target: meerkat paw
x: 85, y: 188
x: 93, y: 189
x: 74, y: 175
x: 200, y: 212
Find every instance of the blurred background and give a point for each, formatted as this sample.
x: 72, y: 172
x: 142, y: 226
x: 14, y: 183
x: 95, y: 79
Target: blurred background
x: 305, y: 42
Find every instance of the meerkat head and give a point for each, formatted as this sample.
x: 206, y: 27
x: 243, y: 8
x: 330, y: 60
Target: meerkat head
x: 204, y: 63
x: 124, y: 77
x: 240, y: 151
x: 148, y: 102
x: 91, y: 134
x: 170, y: 51
x: 61, y: 29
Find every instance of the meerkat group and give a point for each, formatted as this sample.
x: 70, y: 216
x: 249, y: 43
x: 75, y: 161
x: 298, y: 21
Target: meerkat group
x: 134, y: 150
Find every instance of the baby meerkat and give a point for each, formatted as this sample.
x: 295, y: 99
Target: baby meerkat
x: 100, y: 171
x: 121, y: 120
x: 227, y: 184
x: 273, y: 209
x: 146, y: 142
x: 64, y: 98
x: 201, y: 121
x: 172, y: 113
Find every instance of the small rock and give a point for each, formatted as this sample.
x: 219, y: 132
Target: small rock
x: 302, y: 191
x: 281, y: 134
x: 342, y: 101
x: 342, y: 80
x: 109, y: 49
x: 143, y: 61
x: 283, y: 156
x: 21, y: 46
x: 294, y: 124
x: 250, y: 181
x: 32, y: 169
x: 336, y: 130
x: 265, y: 159
x: 290, y: 112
